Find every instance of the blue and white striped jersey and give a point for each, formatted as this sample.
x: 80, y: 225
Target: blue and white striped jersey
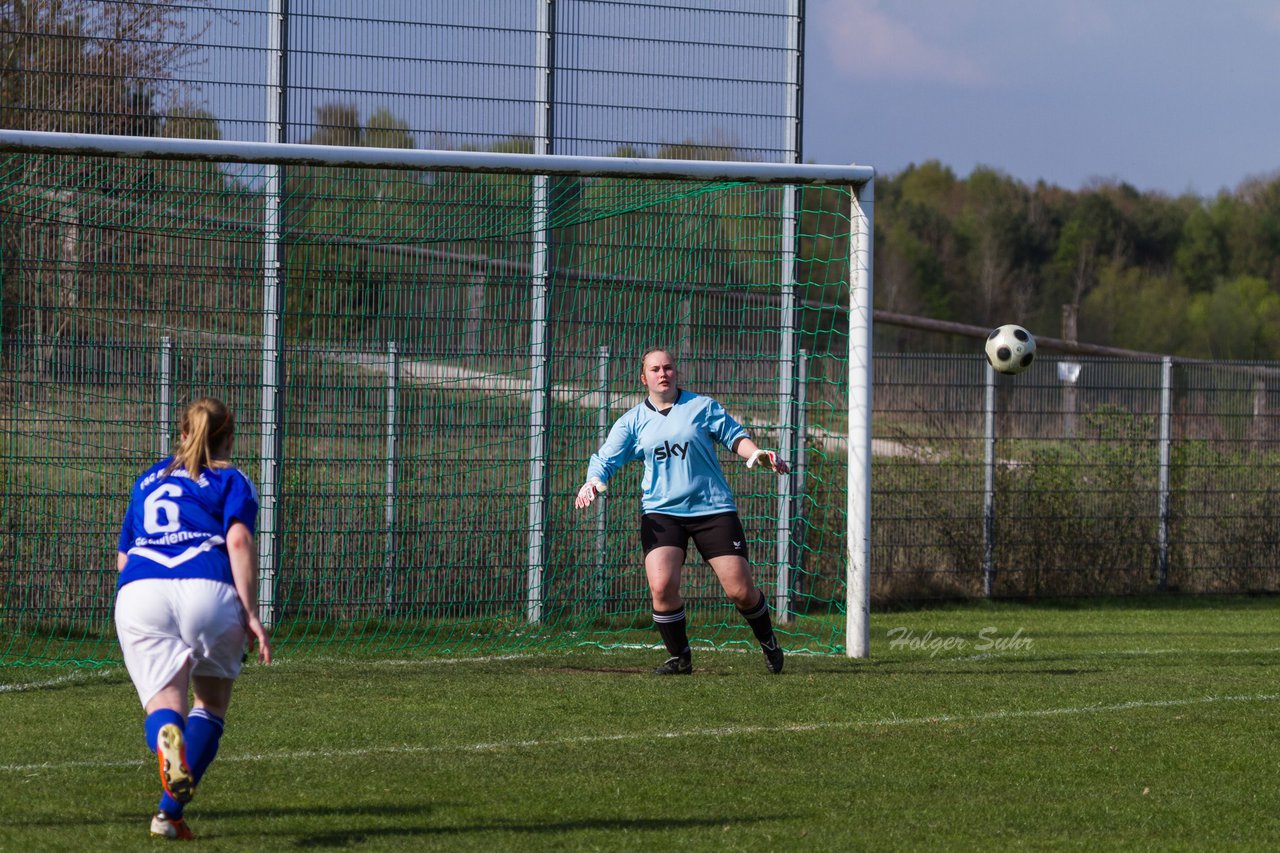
x: 681, y: 473
x: 176, y: 527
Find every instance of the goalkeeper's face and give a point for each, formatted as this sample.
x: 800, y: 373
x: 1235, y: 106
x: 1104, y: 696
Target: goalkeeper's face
x: 659, y: 375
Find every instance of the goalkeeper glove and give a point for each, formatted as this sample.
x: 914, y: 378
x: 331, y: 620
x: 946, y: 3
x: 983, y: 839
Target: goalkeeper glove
x: 588, y: 492
x: 768, y: 459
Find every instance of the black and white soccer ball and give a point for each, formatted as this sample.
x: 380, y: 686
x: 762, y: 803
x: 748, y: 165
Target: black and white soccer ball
x: 1010, y: 348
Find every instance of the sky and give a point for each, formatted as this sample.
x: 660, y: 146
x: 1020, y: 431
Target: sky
x: 1171, y: 96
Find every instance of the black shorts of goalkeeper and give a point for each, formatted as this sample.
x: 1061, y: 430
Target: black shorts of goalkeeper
x: 714, y: 535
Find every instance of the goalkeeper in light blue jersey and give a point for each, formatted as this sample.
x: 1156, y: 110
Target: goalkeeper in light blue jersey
x: 685, y: 496
x: 186, y: 601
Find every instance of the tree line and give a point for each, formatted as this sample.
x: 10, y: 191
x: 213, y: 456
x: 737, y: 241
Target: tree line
x: 1182, y: 275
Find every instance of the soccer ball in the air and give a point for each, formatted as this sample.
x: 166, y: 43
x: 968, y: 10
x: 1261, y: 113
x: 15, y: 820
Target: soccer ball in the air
x: 1010, y: 349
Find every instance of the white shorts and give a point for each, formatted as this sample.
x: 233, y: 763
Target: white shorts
x: 163, y: 623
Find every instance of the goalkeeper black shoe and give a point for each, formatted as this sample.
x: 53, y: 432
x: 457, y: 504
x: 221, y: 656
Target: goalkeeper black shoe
x: 675, y: 665
x: 773, y: 655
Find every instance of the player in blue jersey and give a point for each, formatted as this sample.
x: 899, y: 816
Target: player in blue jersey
x: 685, y: 496
x: 186, y: 600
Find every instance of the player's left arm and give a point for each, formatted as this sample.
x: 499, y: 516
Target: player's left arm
x: 734, y: 436
x: 125, y: 540
x: 240, y: 515
x: 747, y: 449
x: 617, y: 450
x: 244, y: 570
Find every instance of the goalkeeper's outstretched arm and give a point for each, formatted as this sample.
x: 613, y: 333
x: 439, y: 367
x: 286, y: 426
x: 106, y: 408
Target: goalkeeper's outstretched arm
x: 747, y: 449
x: 617, y: 450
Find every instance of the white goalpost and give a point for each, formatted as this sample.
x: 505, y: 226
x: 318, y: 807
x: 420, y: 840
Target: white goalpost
x: 859, y: 181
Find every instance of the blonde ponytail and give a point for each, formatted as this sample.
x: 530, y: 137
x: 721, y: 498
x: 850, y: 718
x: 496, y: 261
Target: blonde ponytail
x: 207, y: 428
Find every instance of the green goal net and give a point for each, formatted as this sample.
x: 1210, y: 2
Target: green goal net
x: 420, y: 363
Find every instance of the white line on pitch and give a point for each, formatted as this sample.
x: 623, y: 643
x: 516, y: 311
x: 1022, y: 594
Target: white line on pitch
x: 71, y: 678
x: 724, y: 731
x: 83, y: 675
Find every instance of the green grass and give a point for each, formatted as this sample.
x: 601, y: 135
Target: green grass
x: 1142, y: 724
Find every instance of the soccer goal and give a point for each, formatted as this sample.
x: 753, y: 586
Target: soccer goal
x: 422, y: 349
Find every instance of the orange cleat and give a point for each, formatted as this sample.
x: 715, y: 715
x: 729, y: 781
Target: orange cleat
x: 175, y: 775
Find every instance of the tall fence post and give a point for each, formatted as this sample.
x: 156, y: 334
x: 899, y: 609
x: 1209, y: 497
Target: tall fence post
x: 684, y: 329
x: 782, y: 605
x: 393, y: 457
x: 793, y: 94
x: 1070, y: 404
x: 787, y: 331
x: 602, y: 431
x: 164, y: 411
x: 538, y: 391
x: 272, y: 228
x: 798, y: 470
x: 1166, y: 435
x: 539, y: 311
x: 989, y: 483
x: 475, y: 313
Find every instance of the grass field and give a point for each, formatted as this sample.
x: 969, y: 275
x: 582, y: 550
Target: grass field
x: 1146, y: 724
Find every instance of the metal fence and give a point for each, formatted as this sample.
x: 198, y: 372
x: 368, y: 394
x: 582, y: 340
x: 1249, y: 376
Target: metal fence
x: 1079, y: 477
x: 1132, y: 477
x: 715, y: 80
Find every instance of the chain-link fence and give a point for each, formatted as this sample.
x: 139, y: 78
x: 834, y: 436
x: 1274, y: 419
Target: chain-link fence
x: 1080, y: 477
x: 580, y: 77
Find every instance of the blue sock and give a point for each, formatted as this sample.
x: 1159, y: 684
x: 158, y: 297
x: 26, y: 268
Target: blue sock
x: 170, y: 806
x: 157, y: 720
x: 204, y: 732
